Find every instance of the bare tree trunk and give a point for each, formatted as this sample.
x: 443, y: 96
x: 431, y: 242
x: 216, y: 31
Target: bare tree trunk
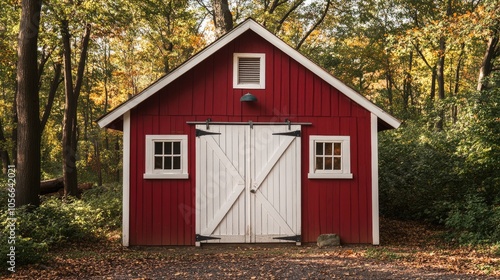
x: 388, y: 85
x: 54, y: 84
x: 440, y: 68
x: 320, y: 20
x: 407, y: 85
x: 28, y: 107
x: 223, y: 19
x: 295, y: 5
x: 492, y: 51
x: 433, y: 84
x: 4, y: 155
x: 69, y: 137
x: 97, y: 151
x: 13, y: 136
x: 454, y: 108
x: 440, y: 82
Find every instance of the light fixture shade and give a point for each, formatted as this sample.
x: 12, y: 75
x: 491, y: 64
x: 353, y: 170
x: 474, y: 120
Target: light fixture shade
x: 248, y: 98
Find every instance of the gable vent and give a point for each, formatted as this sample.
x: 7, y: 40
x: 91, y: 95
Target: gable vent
x: 249, y: 70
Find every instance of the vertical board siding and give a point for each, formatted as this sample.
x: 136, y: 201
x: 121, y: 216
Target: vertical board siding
x: 162, y: 212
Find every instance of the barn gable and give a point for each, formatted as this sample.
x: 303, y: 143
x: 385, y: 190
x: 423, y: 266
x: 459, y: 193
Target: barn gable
x: 386, y: 120
x: 203, y: 96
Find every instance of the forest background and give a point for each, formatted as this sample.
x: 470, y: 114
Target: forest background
x: 432, y: 64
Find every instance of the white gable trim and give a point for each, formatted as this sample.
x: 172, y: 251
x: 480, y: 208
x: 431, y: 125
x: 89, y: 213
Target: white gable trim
x: 126, y: 180
x: 249, y: 24
x: 375, y: 200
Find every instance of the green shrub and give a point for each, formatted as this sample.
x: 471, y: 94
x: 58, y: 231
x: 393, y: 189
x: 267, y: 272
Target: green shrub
x: 474, y: 221
x: 108, y: 200
x: 418, y: 174
x: 56, y: 222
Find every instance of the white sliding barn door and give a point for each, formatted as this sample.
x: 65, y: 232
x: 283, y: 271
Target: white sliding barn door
x: 248, y: 183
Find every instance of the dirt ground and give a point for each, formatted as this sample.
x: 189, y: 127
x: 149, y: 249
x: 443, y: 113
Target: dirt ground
x: 408, y: 251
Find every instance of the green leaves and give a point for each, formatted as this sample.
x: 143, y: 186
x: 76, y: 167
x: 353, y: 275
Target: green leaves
x: 59, y: 222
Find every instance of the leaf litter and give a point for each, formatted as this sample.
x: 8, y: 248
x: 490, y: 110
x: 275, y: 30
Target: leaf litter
x: 409, y: 250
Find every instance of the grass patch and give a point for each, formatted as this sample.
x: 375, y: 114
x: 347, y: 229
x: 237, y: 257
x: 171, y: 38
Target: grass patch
x: 381, y: 254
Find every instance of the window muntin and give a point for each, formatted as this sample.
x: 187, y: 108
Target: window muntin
x: 166, y: 157
x: 329, y: 157
x: 249, y: 70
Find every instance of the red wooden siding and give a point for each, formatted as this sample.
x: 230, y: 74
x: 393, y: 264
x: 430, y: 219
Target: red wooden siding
x: 162, y: 211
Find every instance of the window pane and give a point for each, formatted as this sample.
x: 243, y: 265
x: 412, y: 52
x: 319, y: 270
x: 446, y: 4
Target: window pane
x: 168, y: 148
x: 158, y: 148
x: 328, y: 163
x: 319, y: 163
x: 177, y: 163
x: 337, y: 163
x: 177, y: 148
x: 168, y: 163
x: 319, y: 148
x: 328, y: 149
x: 158, y: 163
x: 337, y: 149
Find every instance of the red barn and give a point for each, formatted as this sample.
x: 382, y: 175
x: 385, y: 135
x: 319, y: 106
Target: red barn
x: 246, y: 142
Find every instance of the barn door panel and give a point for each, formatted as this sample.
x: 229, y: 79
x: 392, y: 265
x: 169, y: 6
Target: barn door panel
x: 247, y: 183
x: 275, y: 190
x: 220, y: 184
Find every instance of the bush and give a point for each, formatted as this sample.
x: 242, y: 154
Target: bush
x: 108, y: 201
x: 418, y: 174
x: 474, y: 221
x: 57, y: 222
x: 450, y: 177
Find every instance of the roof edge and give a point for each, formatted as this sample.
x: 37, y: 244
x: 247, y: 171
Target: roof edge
x: 248, y: 24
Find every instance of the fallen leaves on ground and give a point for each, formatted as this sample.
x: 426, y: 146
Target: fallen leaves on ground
x: 410, y: 251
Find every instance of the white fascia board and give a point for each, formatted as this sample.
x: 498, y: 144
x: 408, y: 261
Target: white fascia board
x: 126, y: 181
x: 375, y: 187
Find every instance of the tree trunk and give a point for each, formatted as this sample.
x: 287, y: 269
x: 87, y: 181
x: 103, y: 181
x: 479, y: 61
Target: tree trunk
x: 97, y: 151
x: 69, y: 137
x: 54, y: 84
x: 223, y: 19
x: 28, y: 107
x: 388, y: 85
x: 4, y: 155
x: 492, y: 51
x: 433, y: 83
x: 454, y: 108
x: 13, y: 136
x: 440, y: 82
x: 407, y: 85
x: 320, y: 20
x: 440, y: 68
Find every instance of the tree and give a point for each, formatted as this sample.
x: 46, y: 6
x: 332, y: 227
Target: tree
x: 4, y: 155
x: 28, y: 108
x: 489, y: 63
x: 72, y: 93
x: 223, y: 19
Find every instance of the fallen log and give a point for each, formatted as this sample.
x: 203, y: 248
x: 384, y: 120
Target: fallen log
x: 57, y: 185
x: 51, y: 186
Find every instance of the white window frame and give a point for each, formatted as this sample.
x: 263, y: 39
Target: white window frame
x: 151, y: 173
x: 345, y: 172
x: 262, y: 79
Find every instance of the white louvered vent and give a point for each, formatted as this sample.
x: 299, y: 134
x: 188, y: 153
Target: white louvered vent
x: 249, y: 70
